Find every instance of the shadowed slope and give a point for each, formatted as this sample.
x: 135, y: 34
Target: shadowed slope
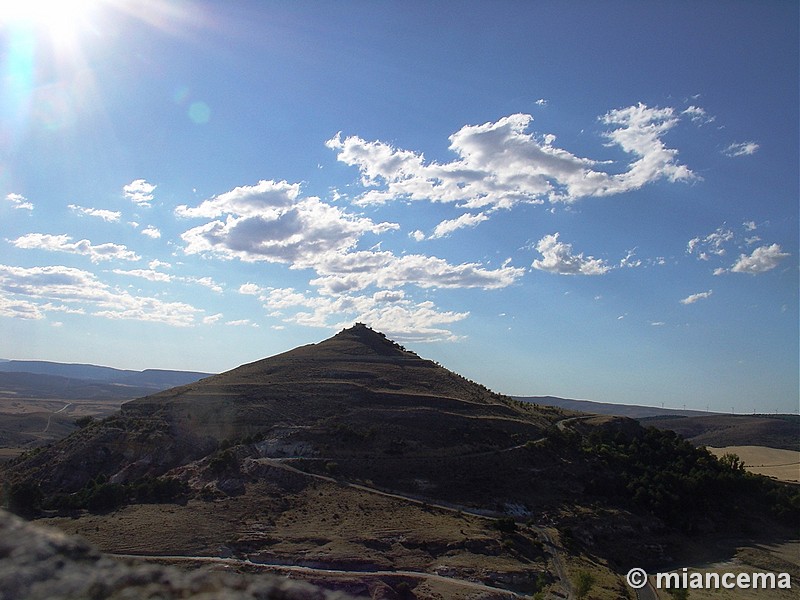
x: 355, y: 394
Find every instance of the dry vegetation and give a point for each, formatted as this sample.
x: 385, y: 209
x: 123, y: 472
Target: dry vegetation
x: 783, y: 465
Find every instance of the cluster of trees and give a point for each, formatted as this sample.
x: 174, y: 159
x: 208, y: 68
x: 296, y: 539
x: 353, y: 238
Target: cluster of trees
x: 99, y: 495
x: 683, y: 485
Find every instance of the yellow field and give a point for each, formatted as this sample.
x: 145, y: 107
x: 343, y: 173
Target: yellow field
x: 783, y: 465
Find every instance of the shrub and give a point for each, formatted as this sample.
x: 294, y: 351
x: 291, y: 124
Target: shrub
x: 505, y: 525
x: 106, y: 497
x: 84, y: 421
x: 25, y: 499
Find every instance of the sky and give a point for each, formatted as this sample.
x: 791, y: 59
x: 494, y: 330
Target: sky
x: 578, y: 199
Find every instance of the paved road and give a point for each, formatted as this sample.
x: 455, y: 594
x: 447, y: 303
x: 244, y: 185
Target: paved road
x: 646, y: 593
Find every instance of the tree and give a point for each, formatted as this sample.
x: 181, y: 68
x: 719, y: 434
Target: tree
x: 25, y: 499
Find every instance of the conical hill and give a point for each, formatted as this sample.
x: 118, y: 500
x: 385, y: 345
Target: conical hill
x: 356, y: 394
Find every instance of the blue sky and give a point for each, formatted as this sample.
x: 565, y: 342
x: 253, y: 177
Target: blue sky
x: 589, y: 200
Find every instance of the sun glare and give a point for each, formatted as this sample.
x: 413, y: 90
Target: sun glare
x: 59, y: 19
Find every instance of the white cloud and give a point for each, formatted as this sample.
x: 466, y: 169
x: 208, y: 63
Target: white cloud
x: 695, y: 297
x: 63, y: 243
x: 750, y: 225
x: 698, y: 115
x: 139, y: 192
x: 541, y: 102
x: 19, y: 201
x: 359, y: 270
x: 242, y: 323
x: 205, y: 282
x: 500, y: 165
x: 155, y: 264
x: 306, y: 233
x: 151, y: 232
x: 417, y: 235
x: 389, y: 311
x: 762, y: 259
x: 558, y: 257
x: 445, y: 228
x: 211, y: 319
x: 250, y: 289
x: 714, y: 243
x: 741, y: 149
x: 34, y: 290
x: 148, y: 274
x: 109, y: 216
x: 19, y: 309
x: 270, y: 222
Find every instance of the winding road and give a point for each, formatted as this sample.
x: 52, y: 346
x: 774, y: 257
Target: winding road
x: 544, y: 535
x: 320, y: 571
x: 50, y: 416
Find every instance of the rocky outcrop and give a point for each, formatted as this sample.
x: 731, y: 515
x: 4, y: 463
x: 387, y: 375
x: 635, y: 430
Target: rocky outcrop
x: 39, y: 563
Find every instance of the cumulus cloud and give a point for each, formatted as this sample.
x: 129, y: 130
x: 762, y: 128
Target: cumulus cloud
x: 695, y: 297
x: 741, y: 149
x: 64, y: 243
x: 716, y: 244
x: 445, y: 228
x: 359, y: 270
x: 139, y: 192
x: 558, y: 257
x: 152, y: 232
x: 389, y: 311
x: 250, y: 289
x: 34, y: 290
x: 109, y: 216
x: 19, y: 201
x: 270, y: 222
x: 761, y: 260
x: 500, y: 165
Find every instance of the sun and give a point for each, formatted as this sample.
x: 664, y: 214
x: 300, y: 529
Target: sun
x: 60, y: 20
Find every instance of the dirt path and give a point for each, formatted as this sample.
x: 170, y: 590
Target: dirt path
x: 50, y: 416
x: 321, y: 571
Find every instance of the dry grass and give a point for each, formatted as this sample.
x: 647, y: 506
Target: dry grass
x: 777, y: 558
x: 783, y: 465
x: 324, y: 525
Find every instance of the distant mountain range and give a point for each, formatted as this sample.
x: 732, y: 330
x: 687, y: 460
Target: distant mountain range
x: 45, y: 379
x: 632, y: 411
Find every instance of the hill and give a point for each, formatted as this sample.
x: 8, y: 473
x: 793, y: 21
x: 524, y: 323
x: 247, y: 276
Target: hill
x: 772, y: 431
x: 632, y: 411
x: 358, y: 461
x: 149, y: 379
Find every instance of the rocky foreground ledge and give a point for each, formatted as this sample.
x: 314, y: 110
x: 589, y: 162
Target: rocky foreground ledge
x: 42, y: 563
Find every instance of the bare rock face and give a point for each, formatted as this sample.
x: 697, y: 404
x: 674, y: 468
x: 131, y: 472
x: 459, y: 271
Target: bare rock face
x: 38, y: 563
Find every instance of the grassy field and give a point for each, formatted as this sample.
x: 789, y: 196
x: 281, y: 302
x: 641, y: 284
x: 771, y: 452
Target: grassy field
x: 783, y: 465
